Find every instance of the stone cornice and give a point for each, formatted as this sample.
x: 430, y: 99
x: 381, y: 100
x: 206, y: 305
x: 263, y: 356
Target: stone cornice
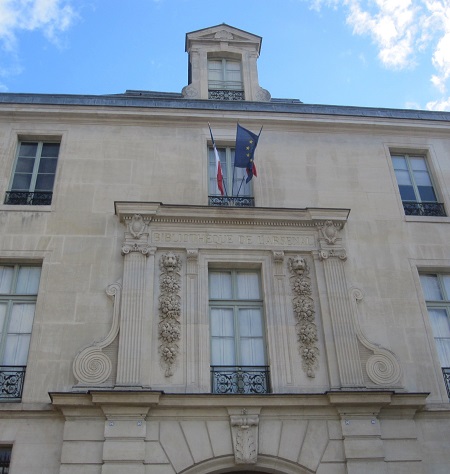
x: 147, y: 101
x: 209, y: 215
x: 341, y: 400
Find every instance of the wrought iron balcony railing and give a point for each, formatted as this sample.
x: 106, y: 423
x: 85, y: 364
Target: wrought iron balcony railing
x: 239, y: 380
x: 446, y: 374
x: 225, y: 94
x: 231, y: 201
x: 434, y: 209
x: 11, y: 381
x: 29, y: 198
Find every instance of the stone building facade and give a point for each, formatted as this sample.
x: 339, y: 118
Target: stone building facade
x: 297, y: 324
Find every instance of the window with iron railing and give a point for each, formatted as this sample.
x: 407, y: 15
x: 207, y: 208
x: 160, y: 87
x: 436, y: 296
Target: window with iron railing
x: 237, y: 193
x: 225, y: 79
x: 238, y: 355
x: 5, y: 459
x: 34, y: 174
x: 436, y: 289
x: 18, y: 292
x: 416, y: 187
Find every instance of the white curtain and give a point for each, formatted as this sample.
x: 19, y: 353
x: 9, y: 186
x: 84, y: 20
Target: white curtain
x: 237, y: 335
x: 19, y: 334
x: 441, y: 331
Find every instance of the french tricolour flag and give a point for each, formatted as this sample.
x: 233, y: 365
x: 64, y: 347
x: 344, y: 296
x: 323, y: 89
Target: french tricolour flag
x: 219, y: 174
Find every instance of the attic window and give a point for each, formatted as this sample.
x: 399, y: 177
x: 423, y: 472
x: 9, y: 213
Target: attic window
x: 225, y: 79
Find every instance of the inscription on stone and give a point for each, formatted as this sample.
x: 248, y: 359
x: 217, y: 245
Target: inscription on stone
x: 226, y: 240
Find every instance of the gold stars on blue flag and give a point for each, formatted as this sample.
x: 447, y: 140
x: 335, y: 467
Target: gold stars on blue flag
x: 246, y: 142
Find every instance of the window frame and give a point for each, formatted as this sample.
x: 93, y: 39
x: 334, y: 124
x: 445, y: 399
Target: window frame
x: 14, y: 373
x: 31, y: 195
x: 236, y: 305
x: 440, y: 304
x: 228, y: 170
x: 224, y: 83
x: 5, y: 458
x: 418, y: 207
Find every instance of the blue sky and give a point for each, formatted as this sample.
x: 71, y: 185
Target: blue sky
x: 374, y: 53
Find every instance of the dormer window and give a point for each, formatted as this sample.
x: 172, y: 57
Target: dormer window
x: 225, y: 79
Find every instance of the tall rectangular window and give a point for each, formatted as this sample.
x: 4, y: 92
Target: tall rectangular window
x: 238, y: 356
x: 5, y: 459
x: 415, y: 186
x: 237, y: 191
x: 225, y: 79
x: 34, y: 173
x: 436, y: 289
x: 18, y: 292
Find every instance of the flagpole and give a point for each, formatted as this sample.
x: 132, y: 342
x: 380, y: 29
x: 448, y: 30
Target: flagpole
x: 242, y: 182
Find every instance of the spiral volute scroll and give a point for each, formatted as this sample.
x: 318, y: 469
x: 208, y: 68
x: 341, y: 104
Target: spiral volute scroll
x: 383, y: 369
x: 92, y: 366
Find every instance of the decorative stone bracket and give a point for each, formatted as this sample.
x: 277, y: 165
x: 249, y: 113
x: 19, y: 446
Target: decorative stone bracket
x: 244, y: 430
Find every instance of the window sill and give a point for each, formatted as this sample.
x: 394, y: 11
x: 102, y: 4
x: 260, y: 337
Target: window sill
x: 430, y: 219
x: 25, y: 208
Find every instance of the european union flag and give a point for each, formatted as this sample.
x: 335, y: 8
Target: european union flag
x: 246, y: 142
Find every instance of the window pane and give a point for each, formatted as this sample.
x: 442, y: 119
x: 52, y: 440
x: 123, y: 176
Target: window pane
x: 446, y: 282
x: 443, y: 349
x: 222, y: 322
x: 427, y: 193
x: 250, y: 322
x: 248, y: 286
x: 21, y: 182
x: 430, y: 286
x: 252, y: 352
x: 47, y: 165
x: 25, y: 165
x: 21, y: 318
x: 44, y: 182
x: 418, y: 163
x: 28, y: 149
x: 16, y: 350
x: 222, y: 351
x: 3, y: 308
x: 220, y: 286
x: 28, y: 280
x: 403, y: 177
x: 399, y: 163
x: 50, y: 150
x: 6, y: 279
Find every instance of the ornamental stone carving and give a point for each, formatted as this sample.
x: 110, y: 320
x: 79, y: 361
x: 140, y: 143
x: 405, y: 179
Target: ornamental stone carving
x: 169, y: 310
x: 304, y: 314
x: 190, y: 92
x: 91, y: 366
x: 136, y: 226
x: 382, y: 367
x: 330, y: 231
x: 245, y: 438
x: 223, y: 35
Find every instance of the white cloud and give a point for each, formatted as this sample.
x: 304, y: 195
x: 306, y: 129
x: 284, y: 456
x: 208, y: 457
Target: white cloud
x: 51, y: 17
x: 400, y: 29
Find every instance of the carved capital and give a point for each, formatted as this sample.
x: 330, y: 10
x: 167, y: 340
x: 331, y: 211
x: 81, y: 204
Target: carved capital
x: 337, y: 253
x: 142, y: 248
x: 278, y: 256
x: 244, y: 430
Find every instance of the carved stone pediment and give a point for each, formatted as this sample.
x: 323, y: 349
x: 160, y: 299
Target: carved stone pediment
x: 220, y: 33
